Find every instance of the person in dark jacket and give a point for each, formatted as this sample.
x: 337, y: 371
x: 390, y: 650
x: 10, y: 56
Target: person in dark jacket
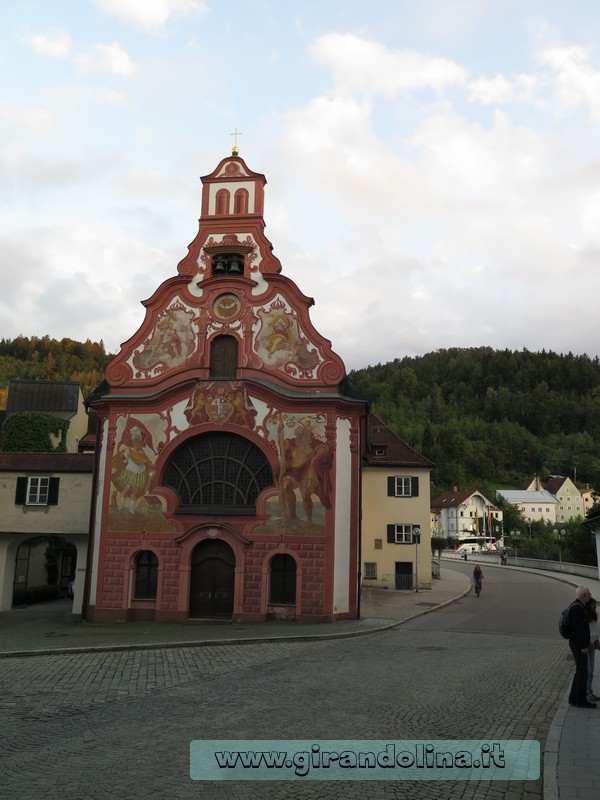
x: 579, y: 642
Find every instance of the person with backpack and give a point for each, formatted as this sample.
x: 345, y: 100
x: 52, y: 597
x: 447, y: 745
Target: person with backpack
x: 477, y: 579
x: 579, y: 643
x: 594, y: 645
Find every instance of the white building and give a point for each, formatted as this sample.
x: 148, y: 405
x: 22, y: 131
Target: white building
x: 534, y: 505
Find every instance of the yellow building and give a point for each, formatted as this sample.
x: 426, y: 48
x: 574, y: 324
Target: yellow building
x: 395, y: 512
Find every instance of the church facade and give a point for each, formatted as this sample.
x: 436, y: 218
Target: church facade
x: 229, y: 450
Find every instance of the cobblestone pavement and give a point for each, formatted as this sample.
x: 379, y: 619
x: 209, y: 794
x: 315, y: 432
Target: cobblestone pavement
x: 90, y: 726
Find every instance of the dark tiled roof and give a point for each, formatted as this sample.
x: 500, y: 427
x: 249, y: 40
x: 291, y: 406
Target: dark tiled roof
x: 88, y: 441
x: 453, y: 499
x: 395, y: 453
x: 554, y: 483
x: 49, y: 397
x: 46, y: 462
x: 450, y: 499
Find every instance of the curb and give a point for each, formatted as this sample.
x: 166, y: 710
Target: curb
x: 550, y: 789
x: 217, y: 642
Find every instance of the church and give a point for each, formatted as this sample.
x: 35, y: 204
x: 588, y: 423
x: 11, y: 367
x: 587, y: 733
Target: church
x: 227, y: 480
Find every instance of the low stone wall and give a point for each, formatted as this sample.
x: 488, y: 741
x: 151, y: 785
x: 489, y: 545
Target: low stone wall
x: 563, y: 567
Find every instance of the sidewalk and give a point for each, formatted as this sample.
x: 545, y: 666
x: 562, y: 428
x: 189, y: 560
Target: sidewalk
x: 52, y: 628
x: 571, y: 766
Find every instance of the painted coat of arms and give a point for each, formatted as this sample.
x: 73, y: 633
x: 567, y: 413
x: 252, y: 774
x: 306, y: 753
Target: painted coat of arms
x: 220, y: 403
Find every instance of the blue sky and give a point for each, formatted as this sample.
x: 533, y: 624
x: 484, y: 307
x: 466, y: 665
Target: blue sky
x: 433, y: 168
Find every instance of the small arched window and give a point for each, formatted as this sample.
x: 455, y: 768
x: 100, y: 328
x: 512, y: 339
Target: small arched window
x: 223, y: 357
x: 283, y: 579
x: 240, y: 202
x: 146, y: 575
x: 222, y: 202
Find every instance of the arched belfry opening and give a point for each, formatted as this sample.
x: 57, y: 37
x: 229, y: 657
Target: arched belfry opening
x: 231, y: 264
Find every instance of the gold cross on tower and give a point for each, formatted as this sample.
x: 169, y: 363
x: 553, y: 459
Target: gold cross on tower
x: 235, y: 150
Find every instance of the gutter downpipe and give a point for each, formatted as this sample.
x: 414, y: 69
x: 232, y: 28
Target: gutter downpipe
x: 361, y: 429
x: 92, y: 527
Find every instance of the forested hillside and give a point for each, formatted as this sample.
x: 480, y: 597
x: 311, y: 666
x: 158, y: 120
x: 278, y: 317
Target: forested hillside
x: 490, y: 418
x: 49, y: 359
x: 487, y: 418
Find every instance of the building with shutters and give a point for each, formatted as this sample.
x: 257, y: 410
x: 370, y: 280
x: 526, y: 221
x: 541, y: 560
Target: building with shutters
x: 395, y: 512
x: 45, y: 499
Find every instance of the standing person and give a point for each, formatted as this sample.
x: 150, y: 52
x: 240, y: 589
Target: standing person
x: 594, y: 645
x: 579, y: 642
x: 477, y: 579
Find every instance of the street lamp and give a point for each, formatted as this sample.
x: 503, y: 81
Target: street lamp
x: 515, y: 535
x: 417, y: 537
x: 559, y: 533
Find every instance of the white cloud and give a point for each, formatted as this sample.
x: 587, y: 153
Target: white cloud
x: 109, y: 57
x: 577, y: 82
x: 452, y: 226
x: 108, y: 97
x: 151, y: 15
x: 499, y: 90
x: 55, y: 43
x: 370, y: 68
x: 14, y: 119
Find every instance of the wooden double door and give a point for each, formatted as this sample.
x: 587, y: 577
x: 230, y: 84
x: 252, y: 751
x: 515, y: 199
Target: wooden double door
x: 212, y: 580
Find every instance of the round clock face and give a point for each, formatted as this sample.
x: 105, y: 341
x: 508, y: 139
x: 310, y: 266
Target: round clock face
x: 227, y: 306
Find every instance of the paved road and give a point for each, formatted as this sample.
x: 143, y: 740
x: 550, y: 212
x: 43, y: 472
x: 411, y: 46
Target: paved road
x: 91, y: 726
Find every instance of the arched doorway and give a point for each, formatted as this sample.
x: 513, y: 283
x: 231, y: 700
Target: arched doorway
x: 45, y: 569
x: 212, y: 579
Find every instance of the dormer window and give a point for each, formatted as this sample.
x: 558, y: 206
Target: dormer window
x: 227, y: 264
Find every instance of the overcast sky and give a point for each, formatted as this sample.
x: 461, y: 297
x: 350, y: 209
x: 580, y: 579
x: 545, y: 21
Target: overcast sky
x: 433, y: 167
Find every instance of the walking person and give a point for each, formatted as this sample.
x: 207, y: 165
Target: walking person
x: 594, y: 645
x: 579, y: 643
x: 477, y: 579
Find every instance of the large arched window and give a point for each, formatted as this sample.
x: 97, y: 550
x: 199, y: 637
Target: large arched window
x: 146, y: 575
x: 223, y: 357
x: 218, y: 473
x: 283, y: 579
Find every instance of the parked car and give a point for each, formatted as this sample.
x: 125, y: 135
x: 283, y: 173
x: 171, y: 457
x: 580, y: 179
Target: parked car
x: 467, y: 548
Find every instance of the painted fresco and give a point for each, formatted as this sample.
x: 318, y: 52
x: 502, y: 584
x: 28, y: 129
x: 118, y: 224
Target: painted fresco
x: 170, y: 344
x: 279, y: 342
x: 221, y: 402
x: 305, y: 489
x: 131, y: 471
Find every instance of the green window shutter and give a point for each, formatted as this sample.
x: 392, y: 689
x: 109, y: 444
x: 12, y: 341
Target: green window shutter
x: 391, y: 534
x: 21, y: 493
x: 391, y: 487
x: 414, y: 487
x: 53, y: 491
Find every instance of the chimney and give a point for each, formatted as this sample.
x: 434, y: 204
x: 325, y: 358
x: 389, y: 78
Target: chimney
x: 455, y: 489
